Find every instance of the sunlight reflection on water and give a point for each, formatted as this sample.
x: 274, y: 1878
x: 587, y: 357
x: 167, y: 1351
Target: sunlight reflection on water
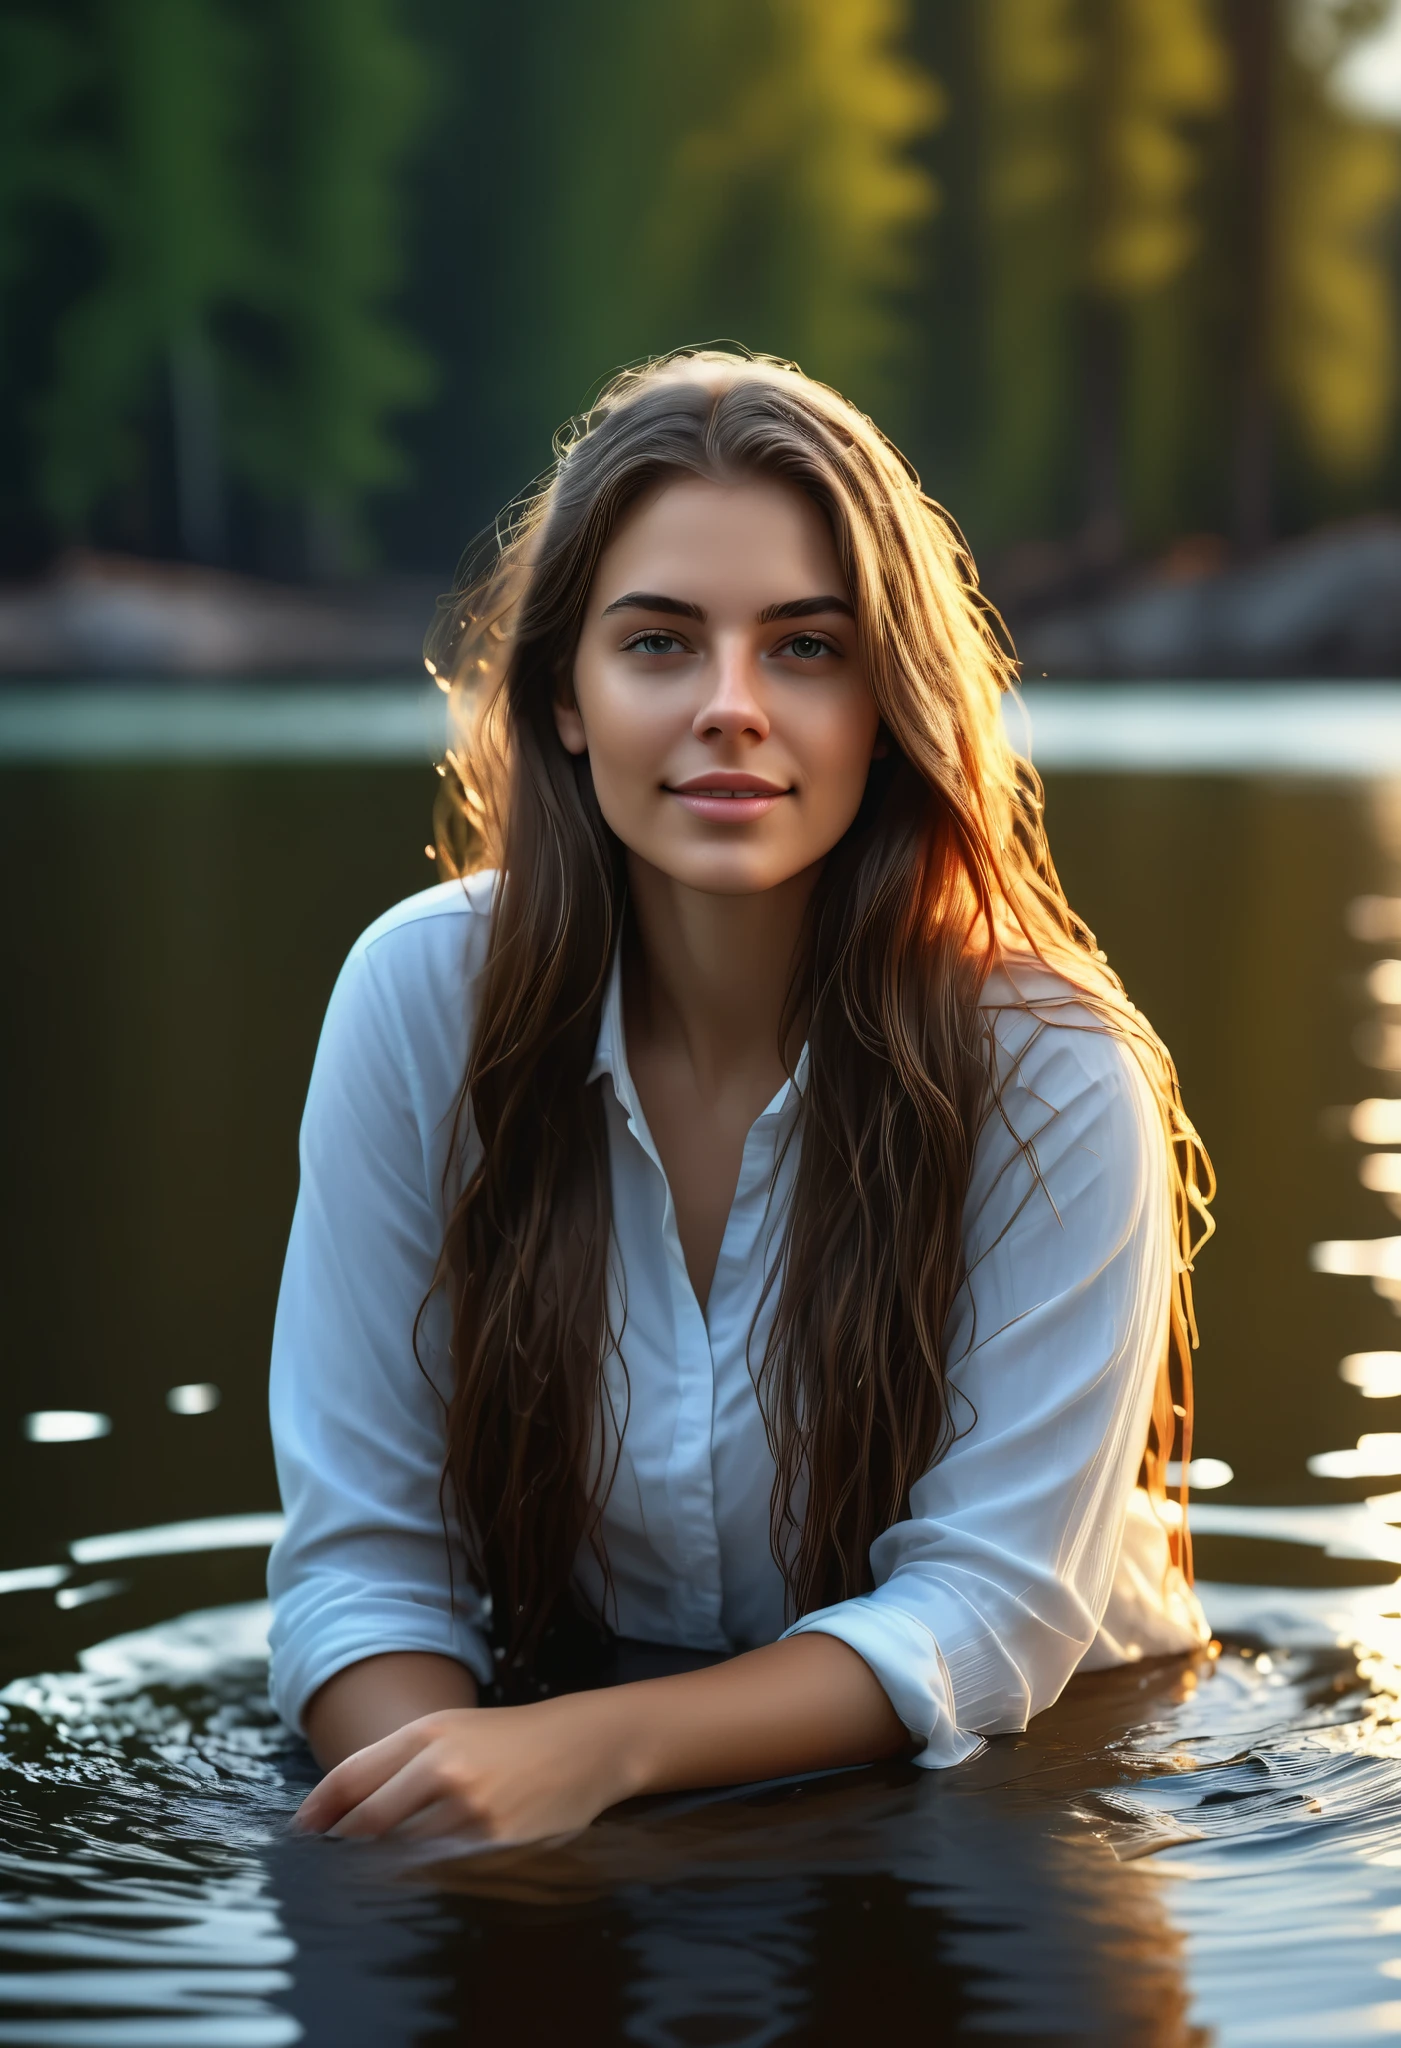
x: 153, y: 1895
x: 1170, y: 1850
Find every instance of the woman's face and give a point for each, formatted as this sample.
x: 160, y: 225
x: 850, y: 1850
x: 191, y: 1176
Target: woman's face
x: 718, y: 691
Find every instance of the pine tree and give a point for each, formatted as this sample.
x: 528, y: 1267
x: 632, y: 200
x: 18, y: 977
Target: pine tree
x: 344, y: 86
x: 1160, y: 69
x: 727, y: 169
x: 1093, y: 112
x: 158, y: 183
x: 42, y: 69
x: 1337, y: 179
x: 1031, y: 65
x: 800, y: 159
x: 1161, y: 72
x: 1304, y: 260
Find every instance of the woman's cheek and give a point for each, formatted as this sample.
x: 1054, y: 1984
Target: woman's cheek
x: 837, y: 771
x: 626, y: 783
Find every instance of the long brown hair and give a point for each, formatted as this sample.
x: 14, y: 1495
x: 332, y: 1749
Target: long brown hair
x: 945, y: 871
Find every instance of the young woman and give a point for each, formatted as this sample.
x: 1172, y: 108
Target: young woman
x: 741, y: 1211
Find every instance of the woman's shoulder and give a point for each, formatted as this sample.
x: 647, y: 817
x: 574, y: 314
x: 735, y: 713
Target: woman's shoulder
x: 1073, y: 1112
x: 403, y: 1001
x: 425, y: 951
x: 1058, y: 1050
x: 437, y: 922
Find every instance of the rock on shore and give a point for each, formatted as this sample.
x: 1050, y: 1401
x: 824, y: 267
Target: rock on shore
x: 99, y: 615
x: 1326, y: 605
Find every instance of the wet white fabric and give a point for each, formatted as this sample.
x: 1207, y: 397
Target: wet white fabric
x: 1014, y: 1567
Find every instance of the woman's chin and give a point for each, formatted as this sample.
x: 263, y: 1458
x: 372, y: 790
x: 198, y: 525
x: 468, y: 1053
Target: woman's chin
x: 731, y: 871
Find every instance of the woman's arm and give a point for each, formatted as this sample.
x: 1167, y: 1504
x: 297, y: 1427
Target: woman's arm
x: 521, y: 1773
x: 373, y: 1698
x: 362, y: 1566
x: 990, y: 1592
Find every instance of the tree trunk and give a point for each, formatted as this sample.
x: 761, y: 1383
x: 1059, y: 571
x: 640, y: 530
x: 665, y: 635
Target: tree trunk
x: 1254, y: 28
x: 199, y: 491
x: 1102, y: 537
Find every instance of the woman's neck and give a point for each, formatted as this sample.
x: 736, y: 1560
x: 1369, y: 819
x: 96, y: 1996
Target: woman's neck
x: 709, y: 977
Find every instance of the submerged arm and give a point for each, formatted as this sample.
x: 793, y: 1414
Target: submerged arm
x: 518, y: 1773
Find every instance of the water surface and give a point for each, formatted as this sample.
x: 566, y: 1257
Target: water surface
x: 1175, y: 1854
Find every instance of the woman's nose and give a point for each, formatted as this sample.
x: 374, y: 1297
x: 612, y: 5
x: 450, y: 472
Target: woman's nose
x: 733, y: 707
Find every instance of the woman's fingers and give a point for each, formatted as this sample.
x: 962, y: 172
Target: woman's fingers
x: 353, y: 1781
x: 513, y: 1773
x: 422, y: 1788
x: 444, y: 1816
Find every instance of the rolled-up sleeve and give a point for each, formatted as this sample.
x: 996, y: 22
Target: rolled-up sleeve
x: 358, y: 1427
x: 987, y: 1598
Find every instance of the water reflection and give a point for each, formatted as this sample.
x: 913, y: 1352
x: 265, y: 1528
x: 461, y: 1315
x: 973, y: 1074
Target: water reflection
x: 1172, y: 1855
x: 1204, y: 1475
x: 158, y: 1883
x: 134, y: 1795
x: 1376, y: 1455
x: 180, y: 1539
x: 153, y: 1894
x: 65, y: 1426
x: 201, y: 1397
x: 1375, y: 1374
x: 1377, y: 1121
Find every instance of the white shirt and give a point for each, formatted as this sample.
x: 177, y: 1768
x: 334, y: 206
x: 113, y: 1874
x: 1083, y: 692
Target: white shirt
x: 1028, y: 1552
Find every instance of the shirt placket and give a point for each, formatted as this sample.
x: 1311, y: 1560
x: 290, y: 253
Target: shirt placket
x: 690, y: 1479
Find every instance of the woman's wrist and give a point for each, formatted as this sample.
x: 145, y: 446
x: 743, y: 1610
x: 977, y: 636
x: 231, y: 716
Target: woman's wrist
x: 808, y: 1703
x: 617, y: 1726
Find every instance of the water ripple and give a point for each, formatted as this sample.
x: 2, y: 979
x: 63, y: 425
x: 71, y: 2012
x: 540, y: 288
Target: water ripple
x: 1174, y: 1847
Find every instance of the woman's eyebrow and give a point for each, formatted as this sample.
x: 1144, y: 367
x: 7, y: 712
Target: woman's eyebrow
x: 649, y: 601
x: 804, y: 608
x: 682, y: 608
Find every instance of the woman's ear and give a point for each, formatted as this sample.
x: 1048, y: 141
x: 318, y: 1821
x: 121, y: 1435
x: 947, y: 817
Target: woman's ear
x: 881, y: 750
x: 569, y: 725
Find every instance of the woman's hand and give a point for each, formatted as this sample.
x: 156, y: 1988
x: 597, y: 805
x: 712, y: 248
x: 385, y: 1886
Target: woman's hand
x: 520, y: 1774
x: 498, y: 1774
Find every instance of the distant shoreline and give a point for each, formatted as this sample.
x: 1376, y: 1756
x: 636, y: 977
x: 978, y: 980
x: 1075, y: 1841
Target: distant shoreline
x: 1326, y: 605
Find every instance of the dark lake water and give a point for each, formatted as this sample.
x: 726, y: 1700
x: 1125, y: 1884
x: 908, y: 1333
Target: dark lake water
x: 1174, y: 1854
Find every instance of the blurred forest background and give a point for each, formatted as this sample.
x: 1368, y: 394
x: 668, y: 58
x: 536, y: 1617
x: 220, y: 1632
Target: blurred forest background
x: 301, y: 288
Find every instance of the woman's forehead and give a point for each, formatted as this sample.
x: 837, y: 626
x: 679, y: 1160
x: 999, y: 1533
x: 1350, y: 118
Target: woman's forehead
x: 738, y: 536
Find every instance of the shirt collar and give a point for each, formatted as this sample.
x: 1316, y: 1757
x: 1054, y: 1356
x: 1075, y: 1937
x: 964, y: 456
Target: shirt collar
x: 611, y: 1057
x: 610, y: 1054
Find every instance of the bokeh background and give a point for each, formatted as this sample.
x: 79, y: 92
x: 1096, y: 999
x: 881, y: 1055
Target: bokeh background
x: 300, y: 289
x: 293, y: 296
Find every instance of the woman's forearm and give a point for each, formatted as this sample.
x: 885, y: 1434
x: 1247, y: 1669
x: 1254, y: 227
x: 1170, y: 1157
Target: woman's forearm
x: 808, y: 1703
x: 373, y: 1698
x: 520, y: 1774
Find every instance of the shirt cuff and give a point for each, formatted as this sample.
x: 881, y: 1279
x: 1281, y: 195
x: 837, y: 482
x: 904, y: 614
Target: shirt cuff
x: 909, y: 1664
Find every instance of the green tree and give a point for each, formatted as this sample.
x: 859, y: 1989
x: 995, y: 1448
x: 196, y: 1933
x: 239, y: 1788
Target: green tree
x: 714, y: 168
x: 1092, y: 115
x: 801, y: 157
x: 1160, y: 71
x: 1160, y: 68
x: 157, y: 182
x: 1304, y: 261
x: 1030, y: 64
x: 1337, y: 179
x: 235, y: 167
x: 345, y: 85
x: 41, y: 70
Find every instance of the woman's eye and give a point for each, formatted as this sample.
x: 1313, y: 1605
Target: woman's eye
x: 655, y: 643
x: 807, y: 646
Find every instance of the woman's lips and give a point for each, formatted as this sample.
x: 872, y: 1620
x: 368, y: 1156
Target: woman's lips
x: 728, y: 799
